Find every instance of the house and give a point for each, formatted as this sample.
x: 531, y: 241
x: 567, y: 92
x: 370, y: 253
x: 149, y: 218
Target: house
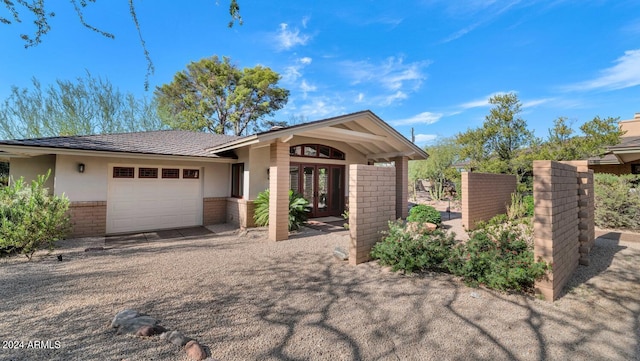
x: 623, y: 158
x: 130, y: 182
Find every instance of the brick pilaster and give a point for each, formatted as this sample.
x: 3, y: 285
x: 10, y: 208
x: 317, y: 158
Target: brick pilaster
x: 279, y: 191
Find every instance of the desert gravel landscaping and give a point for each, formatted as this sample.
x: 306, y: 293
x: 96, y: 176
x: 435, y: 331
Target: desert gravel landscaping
x: 245, y: 298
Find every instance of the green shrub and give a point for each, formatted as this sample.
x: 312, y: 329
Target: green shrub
x: 617, y: 201
x: 502, y: 261
x: 423, y: 213
x: 529, y: 205
x: 298, y: 210
x: 30, y: 218
x: 410, y: 252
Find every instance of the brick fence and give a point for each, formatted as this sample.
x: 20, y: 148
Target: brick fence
x: 485, y: 196
x: 372, y: 204
x: 88, y: 218
x: 563, y: 222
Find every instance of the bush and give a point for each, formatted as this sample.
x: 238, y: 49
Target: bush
x: 529, y: 205
x: 502, y: 261
x: 298, y: 210
x: 30, y: 218
x: 422, y: 213
x: 410, y: 252
x: 499, y: 257
x: 617, y: 201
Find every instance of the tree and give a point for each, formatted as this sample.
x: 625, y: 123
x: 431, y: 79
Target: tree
x: 214, y: 95
x: 438, y: 167
x: 496, y: 145
x: 87, y: 105
x: 564, y: 144
x: 21, y: 9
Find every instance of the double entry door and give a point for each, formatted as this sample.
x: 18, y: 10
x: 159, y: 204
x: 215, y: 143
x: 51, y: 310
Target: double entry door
x: 320, y: 184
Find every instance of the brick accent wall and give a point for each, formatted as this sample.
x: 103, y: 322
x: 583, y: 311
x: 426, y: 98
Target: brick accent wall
x: 214, y: 210
x: 563, y: 223
x: 485, y: 196
x: 617, y: 169
x: 88, y: 218
x: 372, y: 204
x: 402, y: 186
x: 240, y: 212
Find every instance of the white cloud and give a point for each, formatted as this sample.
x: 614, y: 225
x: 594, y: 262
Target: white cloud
x: 291, y: 73
x: 536, y: 102
x: 360, y: 98
x: 307, y: 88
x: 305, y: 60
x: 287, y: 38
x: 392, y: 74
x: 624, y: 74
x: 422, y: 118
x: 305, y: 21
x: 391, y: 98
x: 423, y: 139
x: 483, y: 102
x: 320, y: 107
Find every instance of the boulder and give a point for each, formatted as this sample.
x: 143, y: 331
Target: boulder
x: 175, y: 338
x: 148, y: 331
x: 130, y: 321
x: 123, y: 316
x: 195, y: 351
x: 340, y: 254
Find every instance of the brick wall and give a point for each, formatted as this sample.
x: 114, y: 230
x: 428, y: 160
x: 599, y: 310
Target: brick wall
x: 485, y: 196
x: 563, y: 223
x: 214, y: 210
x: 88, y: 218
x: 372, y: 204
x: 617, y: 169
x: 240, y: 212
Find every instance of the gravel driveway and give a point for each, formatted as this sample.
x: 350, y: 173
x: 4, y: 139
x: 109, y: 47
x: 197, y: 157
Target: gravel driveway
x: 248, y: 299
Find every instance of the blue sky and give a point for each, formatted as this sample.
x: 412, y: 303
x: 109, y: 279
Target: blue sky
x: 429, y: 64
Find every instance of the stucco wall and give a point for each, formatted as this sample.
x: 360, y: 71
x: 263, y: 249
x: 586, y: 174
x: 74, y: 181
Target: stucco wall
x: 632, y: 127
x: 92, y: 184
x: 30, y: 168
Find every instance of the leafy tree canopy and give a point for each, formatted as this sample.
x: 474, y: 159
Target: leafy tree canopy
x: 87, y: 105
x: 214, y: 95
x: 495, y: 146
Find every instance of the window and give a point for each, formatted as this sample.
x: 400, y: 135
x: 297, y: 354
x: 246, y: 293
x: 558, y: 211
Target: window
x: 237, y: 180
x: 123, y: 172
x: 147, y: 172
x: 316, y: 151
x: 170, y: 173
x: 190, y: 173
x: 635, y: 169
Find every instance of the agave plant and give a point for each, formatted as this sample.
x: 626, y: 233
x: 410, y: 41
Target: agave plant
x: 298, y: 210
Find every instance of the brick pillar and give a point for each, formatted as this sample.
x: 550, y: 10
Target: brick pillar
x: 402, y: 184
x: 586, y: 209
x: 279, y: 192
x: 372, y: 205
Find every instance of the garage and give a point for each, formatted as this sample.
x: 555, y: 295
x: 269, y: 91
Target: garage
x: 141, y: 198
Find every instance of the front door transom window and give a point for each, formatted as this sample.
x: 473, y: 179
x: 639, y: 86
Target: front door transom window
x: 316, y: 151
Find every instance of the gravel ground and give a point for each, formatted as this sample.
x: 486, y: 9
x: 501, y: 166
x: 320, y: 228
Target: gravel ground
x: 249, y: 299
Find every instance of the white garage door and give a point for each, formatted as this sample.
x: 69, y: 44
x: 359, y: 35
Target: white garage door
x: 149, y: 198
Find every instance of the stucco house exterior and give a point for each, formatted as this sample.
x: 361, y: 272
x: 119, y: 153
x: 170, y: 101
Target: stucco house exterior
x: 623, y: 158
x: 131, y: 182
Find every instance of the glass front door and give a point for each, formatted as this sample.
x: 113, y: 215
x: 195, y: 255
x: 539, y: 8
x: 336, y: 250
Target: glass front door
x: 322, y: 185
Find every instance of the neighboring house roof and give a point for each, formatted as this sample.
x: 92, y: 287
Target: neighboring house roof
x: 628, y: 150
x: 161, y: 142
x: 363, y: 130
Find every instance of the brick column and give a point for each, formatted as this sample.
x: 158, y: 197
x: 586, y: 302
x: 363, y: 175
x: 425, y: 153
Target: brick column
x: 279, y: 192
x: 586, y: 209
x: 402, y: 184
x: 371, y: 206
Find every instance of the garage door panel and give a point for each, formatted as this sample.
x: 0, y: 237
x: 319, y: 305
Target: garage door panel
x: 147, y: 204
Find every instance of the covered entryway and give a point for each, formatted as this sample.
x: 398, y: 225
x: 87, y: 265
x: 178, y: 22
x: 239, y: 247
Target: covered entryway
x: 320, y: 184
x: 149, y: 198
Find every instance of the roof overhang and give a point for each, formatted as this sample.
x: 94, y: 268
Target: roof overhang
x: 363, y: 131
x: 18, y: 151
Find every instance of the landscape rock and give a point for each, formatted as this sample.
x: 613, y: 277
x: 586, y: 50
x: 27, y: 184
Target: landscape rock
x: 340, y: 254
x: 148, y: 331
x: 195, y: 351
x: 175, y: 338
x: 130, y: 321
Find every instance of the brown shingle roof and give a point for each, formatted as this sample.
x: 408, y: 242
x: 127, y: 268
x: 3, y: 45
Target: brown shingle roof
x: 162, y: 142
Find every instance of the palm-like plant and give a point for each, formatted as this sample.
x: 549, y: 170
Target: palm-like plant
x: 298, y: 210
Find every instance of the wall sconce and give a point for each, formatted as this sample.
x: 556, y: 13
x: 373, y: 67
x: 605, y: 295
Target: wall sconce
x: 81, y: 168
